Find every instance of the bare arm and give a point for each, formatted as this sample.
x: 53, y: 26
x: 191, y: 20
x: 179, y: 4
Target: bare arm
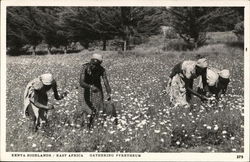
x: 34, y: 100
x: 175, y: 70
x: 41, y: 106
x: 83, y: 84
x: 56, y: 95
x: 204, y: 82
x: 222, y: 88
x: 106, y: 83
x: 196, y: 94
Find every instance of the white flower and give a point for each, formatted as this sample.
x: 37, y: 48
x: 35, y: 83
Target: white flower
x: 33, y: 145
x: 164, y: 133
x: 119, y: 126
x: 162, y: 140
x: 220, y: 106
x: 137, y: 121
x: 127, y: 139
x: 11, y: 145
x: 162, y: 123
x: 209, y: 127
x: 30, y: 137
x: 49, y: 145
x: 216, y: 127
x: 123, y: 129
x: 157, y: 131
x: 232, y: 138
x: 224, y: 132
x: 112, y: 132
x: 152, y: 125
x: 233, y: 149
x: 178, y: 143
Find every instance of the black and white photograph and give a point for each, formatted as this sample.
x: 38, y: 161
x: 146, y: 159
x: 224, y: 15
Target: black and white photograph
x: 124, y: 82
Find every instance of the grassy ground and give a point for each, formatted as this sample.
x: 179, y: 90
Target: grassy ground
x: 146, y: 121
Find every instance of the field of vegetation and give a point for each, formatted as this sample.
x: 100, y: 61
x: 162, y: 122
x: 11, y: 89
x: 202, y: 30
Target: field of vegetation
x: 146, y: 122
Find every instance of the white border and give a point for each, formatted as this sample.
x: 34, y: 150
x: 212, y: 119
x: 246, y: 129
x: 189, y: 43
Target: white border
x: 144, y: 156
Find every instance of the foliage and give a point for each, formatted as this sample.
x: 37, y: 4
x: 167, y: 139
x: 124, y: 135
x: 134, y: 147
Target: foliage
x: 22, y: 28
x: 54, y: 33
x: 176, y: 45
x: 59, y: 26
x: 192, y: 23
x: 239, y: 31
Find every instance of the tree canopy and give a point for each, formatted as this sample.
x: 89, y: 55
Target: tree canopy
x: 60, y: 26
x: 192, y: 23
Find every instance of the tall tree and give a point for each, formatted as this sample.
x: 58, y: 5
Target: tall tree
x: 79, y: 23
x: 192, y: 23
x: 108, y: 24
x: 140, y: 22
x: 15, y: 34
x: 54, y: 33
x: 23, y: 27
x: 239, y: 26
x: 148, y: 21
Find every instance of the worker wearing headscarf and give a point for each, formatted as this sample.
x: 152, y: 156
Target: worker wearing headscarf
x: 36, y: 99
x: 180, y: 84
x: 217, y: 82
x: 90, y: 80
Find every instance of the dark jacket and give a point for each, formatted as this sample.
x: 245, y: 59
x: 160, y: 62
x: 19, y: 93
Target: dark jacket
x: 93, y: 77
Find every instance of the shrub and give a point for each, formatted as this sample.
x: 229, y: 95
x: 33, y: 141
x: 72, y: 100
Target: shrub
x: 176, y: 45
x: 239, y: 31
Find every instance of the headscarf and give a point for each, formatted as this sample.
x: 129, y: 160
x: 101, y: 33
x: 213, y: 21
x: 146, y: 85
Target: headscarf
x: 202, y: 63
x: 97, y: 56
x: 47, y: 79
x: 224, y: 74
x: 212, y: 76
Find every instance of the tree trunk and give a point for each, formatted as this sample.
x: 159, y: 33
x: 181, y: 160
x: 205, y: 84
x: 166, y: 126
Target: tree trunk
x: 125, y: 45
x: 49, y: 50
x: 86, y: 45
x: 104, y: 44
x: 195, y: 45
x: 65, y: 50
x: 34, y: 50
x: 127, y: 36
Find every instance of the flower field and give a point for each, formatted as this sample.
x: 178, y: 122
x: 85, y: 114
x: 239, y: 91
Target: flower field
x: 146, y: 121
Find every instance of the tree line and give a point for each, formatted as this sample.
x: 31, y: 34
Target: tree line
x: 60, y: 26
